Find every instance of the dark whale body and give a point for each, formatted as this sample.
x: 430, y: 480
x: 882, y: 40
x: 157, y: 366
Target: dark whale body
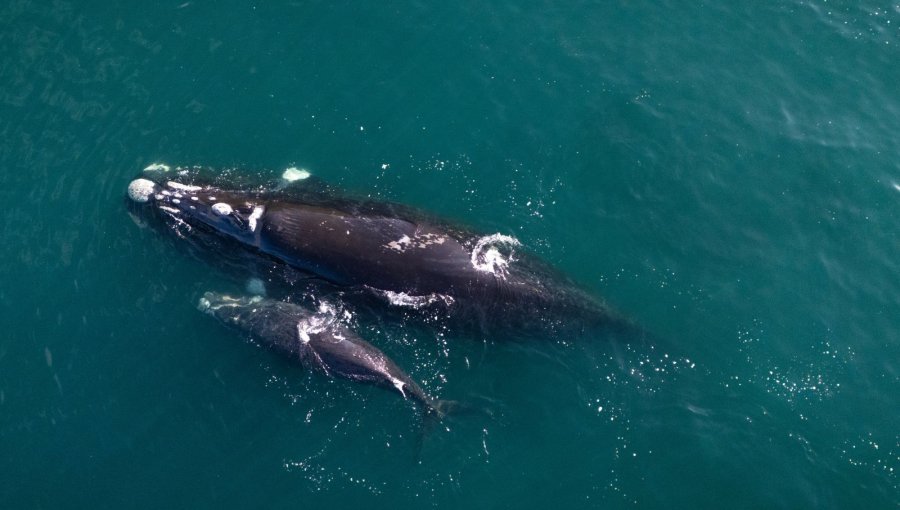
x: 316, y: 340
x: 390, y: 251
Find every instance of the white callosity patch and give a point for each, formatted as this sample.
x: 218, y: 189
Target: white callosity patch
x: 295, y: 174
x: 486, y: 255
x: 417, y: 241
x: 183, y: 187
x: 255, y: 216
x: 140, y: 190
x: 222, y: 209
x: 157, y: 167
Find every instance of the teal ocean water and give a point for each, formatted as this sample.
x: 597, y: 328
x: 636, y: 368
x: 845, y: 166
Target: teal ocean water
x: 726, y: 173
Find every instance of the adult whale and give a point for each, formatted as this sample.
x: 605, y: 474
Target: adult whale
x: 394, y: 252
x: 318, y: 341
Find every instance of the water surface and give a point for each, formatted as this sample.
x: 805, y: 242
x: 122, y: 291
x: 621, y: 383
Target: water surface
x: 725, y: 174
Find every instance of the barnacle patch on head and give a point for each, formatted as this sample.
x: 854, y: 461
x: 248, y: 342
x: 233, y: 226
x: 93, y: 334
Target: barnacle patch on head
x: 222, y: 209
x: 295, y: 174
x: 140, y: 190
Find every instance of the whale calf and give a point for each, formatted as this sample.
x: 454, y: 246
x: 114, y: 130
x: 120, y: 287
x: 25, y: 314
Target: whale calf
x: 318, y: 341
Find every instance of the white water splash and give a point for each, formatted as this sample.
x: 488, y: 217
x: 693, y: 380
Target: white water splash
x: 416, y: 302
x: 312, y: 325
x: 317, y: 323
x: 486, y: 255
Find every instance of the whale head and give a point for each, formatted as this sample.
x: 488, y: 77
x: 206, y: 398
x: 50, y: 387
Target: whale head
x: 196, y: 210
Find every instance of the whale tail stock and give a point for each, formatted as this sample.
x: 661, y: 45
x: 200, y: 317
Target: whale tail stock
x: 439, y: 409
x: 434, y: 411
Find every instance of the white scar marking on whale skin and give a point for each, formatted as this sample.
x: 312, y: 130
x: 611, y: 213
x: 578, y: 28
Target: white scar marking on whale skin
x: 425, y: 240
x: 183, y: 187
x: 418, y: 241
x: 399, y: 245
x: 255, y: 216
